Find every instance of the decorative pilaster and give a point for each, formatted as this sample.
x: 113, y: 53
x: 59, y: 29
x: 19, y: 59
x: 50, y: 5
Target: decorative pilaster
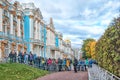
x: 39, y: 34
x: 1, y: 21
x: 0, y: 50
x: 18, y: 25
x: 36, y: 28
x: 31, y: 26
x: 11, y: 23
x: 40, y: 51
x: 31, y: 48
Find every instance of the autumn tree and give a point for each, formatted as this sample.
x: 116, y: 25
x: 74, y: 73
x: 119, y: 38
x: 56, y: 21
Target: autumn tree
x: 87, y: 48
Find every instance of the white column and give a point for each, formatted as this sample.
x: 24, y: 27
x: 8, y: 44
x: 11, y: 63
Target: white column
x: 40, y: 51
x: 11, y: 23
x: 31, y: 47
x: 36, y: 50
x: 39, y: 31
x: 40, y: 35
x: 18, y: 25
x: 31, y: 26
x: 36, y: 29
x: 0, y: 50
x: 1, y: 19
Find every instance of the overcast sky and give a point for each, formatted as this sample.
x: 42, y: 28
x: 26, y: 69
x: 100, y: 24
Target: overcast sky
x: 78, y: 19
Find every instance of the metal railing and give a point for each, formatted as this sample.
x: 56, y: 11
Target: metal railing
x: 98, y: 73
x: 36, y: 41
x: 10, y: 36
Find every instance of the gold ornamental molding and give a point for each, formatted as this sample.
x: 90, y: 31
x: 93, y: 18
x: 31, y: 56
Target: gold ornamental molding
x: 5, y: 42
x: 1, y: 6
x: 38, y: 21
x: 34, y: 46
x: 60, y: 38
x: 5, y: 19
x: 8, y: 27
x: 31, y: 16
x: 13, y: 12
x: 16, y: 30
x: 4, y: 7
x: 25, y: 47
x: 20, y: 45
x: 48, y: 28
x: 52, y: 30
x: 41, y: 22
x: 19, y: 17
x: 14, y: 44
x: 22, y: 33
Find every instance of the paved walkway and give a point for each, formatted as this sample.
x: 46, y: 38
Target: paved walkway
x: 67, y: 75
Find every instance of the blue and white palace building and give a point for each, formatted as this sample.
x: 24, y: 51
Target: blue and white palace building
x: 22, y: 28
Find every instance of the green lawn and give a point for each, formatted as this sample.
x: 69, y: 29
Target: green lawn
x: 15, y: 71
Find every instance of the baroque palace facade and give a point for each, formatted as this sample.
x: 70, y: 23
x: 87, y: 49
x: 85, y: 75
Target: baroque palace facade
x: 22, y: 28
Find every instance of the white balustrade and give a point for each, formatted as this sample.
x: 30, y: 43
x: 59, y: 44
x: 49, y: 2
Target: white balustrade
x: 98, y: 73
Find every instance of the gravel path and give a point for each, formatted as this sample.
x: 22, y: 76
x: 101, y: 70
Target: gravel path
x: 67, y: 75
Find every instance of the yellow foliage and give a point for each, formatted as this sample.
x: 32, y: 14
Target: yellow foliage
x: 90, y: 49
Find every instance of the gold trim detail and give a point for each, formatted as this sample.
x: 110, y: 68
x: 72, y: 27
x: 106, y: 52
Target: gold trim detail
x: 13, y: 12
x: 31, y: 16
x: 19, y: 17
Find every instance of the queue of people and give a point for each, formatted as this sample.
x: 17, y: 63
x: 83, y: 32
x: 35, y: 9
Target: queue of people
x: 40, y: 62
x: 50, y: 64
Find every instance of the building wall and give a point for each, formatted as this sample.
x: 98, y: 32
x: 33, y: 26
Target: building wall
x: 30, y: 33
x: 1, y: 11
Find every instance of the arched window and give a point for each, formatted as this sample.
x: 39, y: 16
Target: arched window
x: 6, y: 26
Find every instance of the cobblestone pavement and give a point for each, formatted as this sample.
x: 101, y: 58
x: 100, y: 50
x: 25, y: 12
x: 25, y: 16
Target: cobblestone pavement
x: 67, y: 75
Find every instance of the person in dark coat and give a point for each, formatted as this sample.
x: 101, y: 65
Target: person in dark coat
x: 30, y: 58
x: 19, y: 57
x: 11, y: 57
x: 59, y: 64
x: 75, y: 65
x: 22, y: 57
x: 15, y: 56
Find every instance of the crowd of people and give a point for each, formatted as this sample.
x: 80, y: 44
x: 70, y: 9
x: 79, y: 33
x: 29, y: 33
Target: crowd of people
x: 49, y: 64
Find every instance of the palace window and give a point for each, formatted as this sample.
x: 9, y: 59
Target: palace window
x: 7, y: 50
x: 14, y: 30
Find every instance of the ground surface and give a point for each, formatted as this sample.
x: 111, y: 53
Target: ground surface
x: 15, y: 71
x: 68, y: 75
